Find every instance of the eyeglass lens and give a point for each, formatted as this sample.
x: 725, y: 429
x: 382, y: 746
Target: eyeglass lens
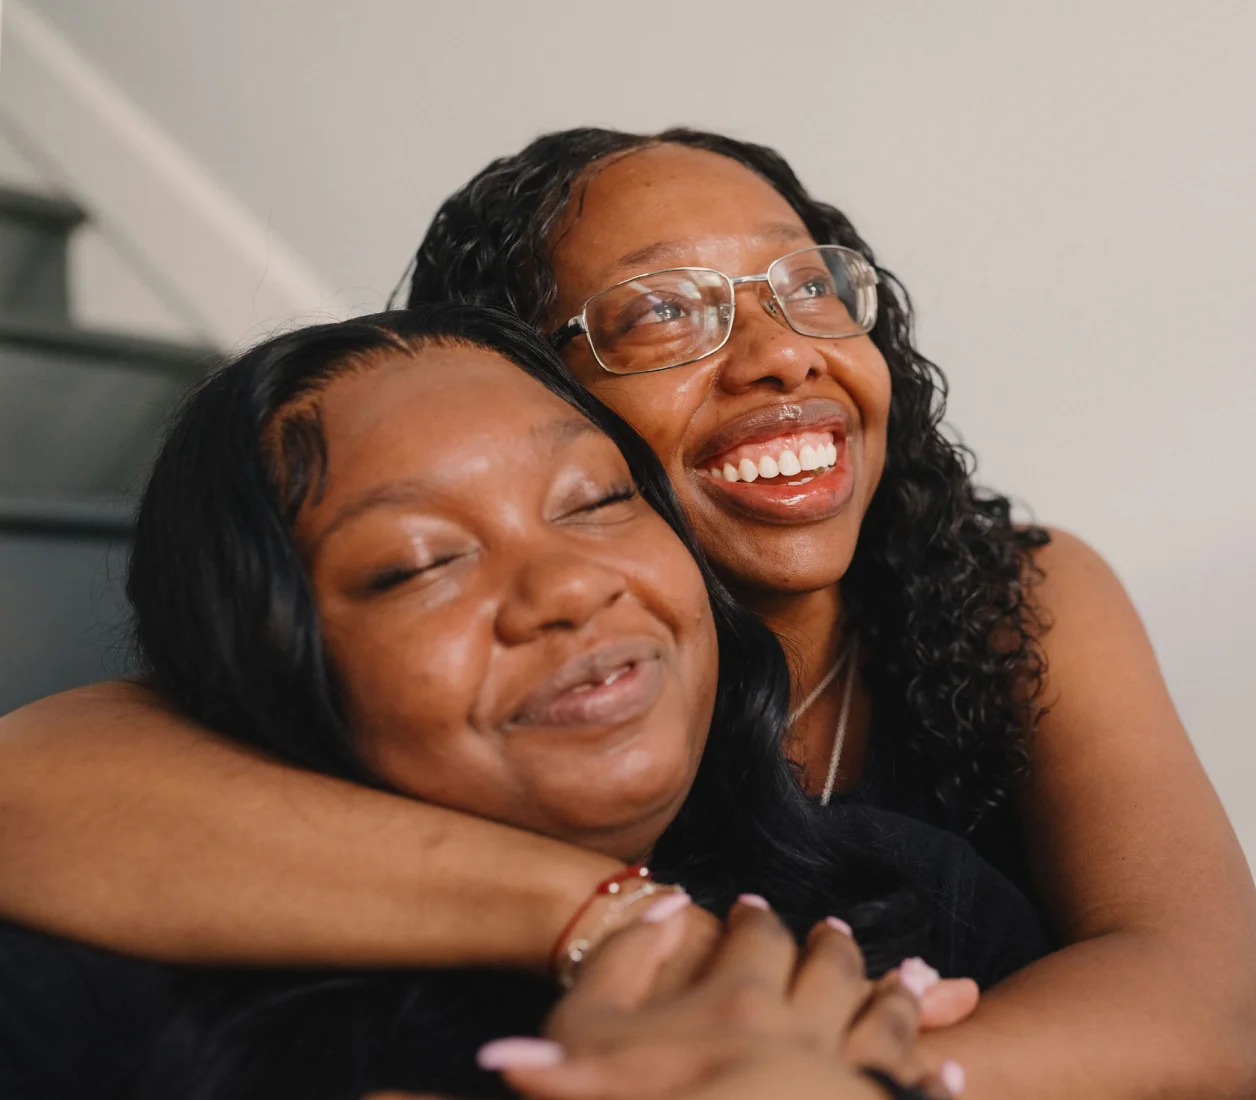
x: 673, y: 317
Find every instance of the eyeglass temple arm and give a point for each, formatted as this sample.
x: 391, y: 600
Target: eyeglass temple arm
x: 566, y: 333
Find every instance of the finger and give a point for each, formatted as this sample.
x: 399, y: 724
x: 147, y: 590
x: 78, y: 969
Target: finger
x: 692, y: 959
x: 948, y: 1003
x: 757, y: 950
x: 659, y: 1069
x: 829, y: 986
x: 404, y: 1096
x: 884, y: 1035
x: 617, y: 978
x: 946, y: 1084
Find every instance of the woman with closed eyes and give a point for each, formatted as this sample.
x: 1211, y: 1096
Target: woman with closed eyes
x: 980, y: 677
x: 410, y: 552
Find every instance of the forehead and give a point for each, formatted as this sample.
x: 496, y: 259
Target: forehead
x: 439, y: 402
x: 671, y: 195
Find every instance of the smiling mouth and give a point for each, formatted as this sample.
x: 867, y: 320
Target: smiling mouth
x: 606, y: 686
x: 793, y: 459
x: 796, y: 474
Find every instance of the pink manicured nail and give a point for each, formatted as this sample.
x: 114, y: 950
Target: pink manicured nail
x: 754, y: 901
x: 840, y: 925
x: 952, y: 1076
x: 918, y: 976
x: 666, y: 907
x: 509, y: 1053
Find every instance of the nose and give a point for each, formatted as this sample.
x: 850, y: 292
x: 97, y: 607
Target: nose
x: 763, y: 351
x: 556, y: 591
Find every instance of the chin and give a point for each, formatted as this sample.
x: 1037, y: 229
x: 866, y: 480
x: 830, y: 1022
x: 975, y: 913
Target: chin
x: 784, y: 560
x: 641, y: 814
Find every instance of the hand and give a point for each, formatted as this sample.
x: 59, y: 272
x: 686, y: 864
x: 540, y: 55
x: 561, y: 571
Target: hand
x: 943, y: 1003
x: 754, y: 1003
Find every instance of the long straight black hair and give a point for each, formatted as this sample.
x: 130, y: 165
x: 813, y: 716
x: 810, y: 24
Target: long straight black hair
x: 228, y: 628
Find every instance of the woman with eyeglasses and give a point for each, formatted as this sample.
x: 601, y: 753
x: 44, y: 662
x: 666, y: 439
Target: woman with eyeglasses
x: 990, y: 679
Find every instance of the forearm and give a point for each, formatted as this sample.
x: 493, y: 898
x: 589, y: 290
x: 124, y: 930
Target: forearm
x: 121, y: 826
x: 1123, y: 1016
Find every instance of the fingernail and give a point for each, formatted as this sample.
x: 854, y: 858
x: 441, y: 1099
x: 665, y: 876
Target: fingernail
x: 666, y: 907
x: 754, y: 901
x: 952, y: 1076
x: 509, y: 1053
x: 840, y: 925
x: 917, y: 975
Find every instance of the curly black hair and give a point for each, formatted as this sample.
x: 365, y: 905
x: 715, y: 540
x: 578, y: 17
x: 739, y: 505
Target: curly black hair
x: 938, y: 590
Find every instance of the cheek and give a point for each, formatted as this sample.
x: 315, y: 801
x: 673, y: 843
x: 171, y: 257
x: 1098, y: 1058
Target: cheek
x: 678, y: 595
x: 408, y: 701
x: 659, y: 406
x: 866, y: 377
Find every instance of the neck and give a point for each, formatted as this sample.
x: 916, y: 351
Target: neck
x: 809, y: 627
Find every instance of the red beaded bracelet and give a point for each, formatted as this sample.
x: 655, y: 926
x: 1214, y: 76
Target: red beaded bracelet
x: 612, y: 884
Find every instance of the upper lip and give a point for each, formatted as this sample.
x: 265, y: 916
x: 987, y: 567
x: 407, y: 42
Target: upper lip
x: 813, y: 413
x: 590, y: 667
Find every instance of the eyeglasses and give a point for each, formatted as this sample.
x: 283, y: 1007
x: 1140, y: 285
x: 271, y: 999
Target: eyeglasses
x: 666, y: 319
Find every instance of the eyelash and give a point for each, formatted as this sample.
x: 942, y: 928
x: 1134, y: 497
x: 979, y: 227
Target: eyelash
x: 391, y: 578
x: 619, y: 494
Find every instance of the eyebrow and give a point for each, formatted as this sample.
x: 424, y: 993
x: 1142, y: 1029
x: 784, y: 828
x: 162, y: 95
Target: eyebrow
x: 558, y: 433
x: 551, y: 436
x: 665, y: 251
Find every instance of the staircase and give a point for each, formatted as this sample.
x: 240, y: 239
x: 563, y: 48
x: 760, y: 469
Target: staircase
x: 81, y: 416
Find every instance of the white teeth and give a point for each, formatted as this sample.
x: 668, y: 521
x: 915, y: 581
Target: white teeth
x: 787, y: 463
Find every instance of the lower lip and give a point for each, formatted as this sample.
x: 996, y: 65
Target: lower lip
x: 628, y: 696
x: 823, y: 497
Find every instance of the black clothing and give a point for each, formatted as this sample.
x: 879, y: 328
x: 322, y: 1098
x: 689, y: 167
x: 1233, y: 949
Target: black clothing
x: 81, y: 1024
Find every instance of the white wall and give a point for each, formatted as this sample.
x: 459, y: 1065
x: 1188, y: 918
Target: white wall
x: 1066, y: 188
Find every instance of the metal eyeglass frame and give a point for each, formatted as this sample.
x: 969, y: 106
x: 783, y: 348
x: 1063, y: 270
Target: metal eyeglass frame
x: 565, y: 333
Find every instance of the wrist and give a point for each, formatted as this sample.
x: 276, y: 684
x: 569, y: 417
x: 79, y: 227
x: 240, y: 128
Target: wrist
x: 565, y: 892
x: 619, y: 900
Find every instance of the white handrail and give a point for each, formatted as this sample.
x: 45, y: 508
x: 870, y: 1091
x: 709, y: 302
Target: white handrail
x: 215, y: 262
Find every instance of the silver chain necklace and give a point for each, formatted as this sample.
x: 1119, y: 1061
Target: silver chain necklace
x: 843, y: 717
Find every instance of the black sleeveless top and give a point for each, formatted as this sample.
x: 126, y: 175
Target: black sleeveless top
x: 999, y: 837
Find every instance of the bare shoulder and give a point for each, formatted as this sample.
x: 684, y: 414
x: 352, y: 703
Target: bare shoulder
x: 1082, y: 602
x: 1068, y: 562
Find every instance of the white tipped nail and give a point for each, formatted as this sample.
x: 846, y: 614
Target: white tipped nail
x: 730, y: 472
x: 952, y: 1076
x: 768, y: 467
x: 789, y: 464
x: 508, y: 1053
x: 716, y: 472
x: 918, y: 976
x: 840, y: 925
x: 666, y: 907
x: 748, y: 470
x: 807, y: 457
